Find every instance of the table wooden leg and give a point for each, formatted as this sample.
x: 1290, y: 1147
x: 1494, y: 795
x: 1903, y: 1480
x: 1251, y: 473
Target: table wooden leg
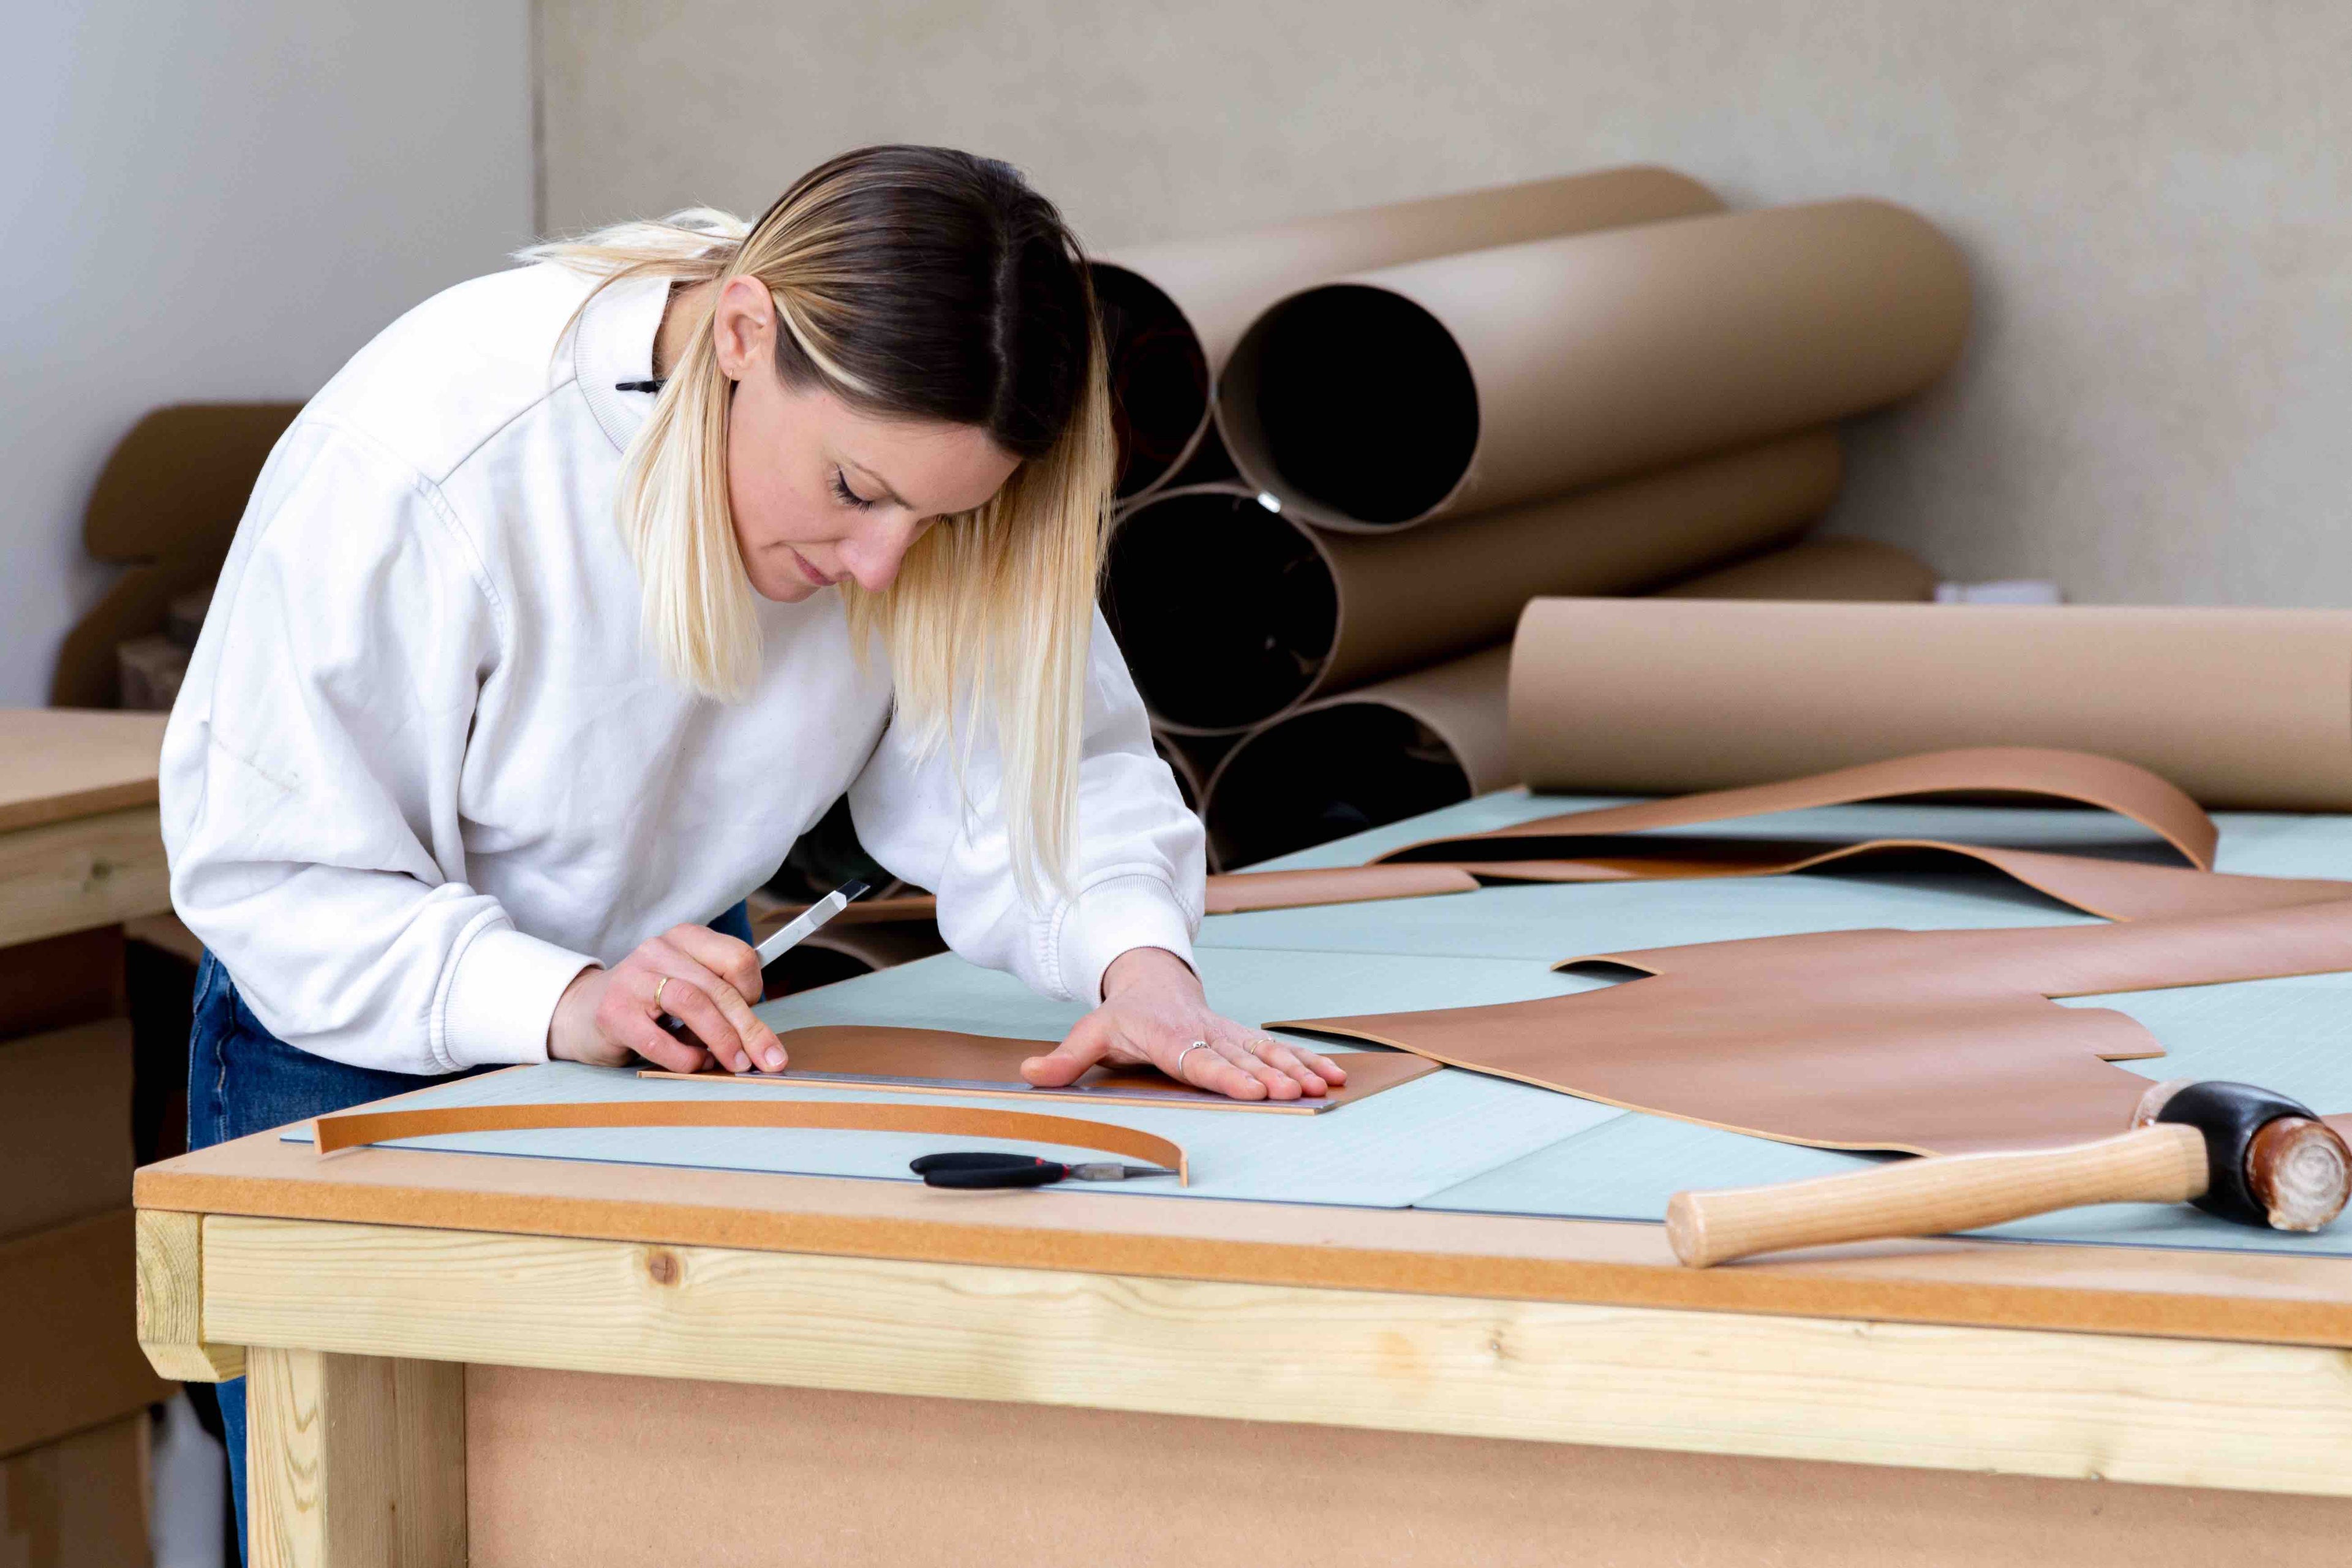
x: 354, y: 1461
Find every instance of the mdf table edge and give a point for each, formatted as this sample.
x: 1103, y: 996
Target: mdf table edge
x: 1624, y: 1264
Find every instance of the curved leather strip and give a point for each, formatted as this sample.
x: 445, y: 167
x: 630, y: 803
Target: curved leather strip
x: 2077, y: 777
x: 1919, y: 1042
x: 2113, y: 889
x: 351, y: 1129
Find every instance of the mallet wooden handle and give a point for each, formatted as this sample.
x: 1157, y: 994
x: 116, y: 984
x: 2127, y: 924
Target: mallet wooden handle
x: 2165, y: 1164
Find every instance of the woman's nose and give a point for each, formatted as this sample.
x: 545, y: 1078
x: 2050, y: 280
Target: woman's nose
x: 873, y: 553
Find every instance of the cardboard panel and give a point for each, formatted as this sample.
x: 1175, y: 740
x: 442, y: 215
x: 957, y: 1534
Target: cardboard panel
x: 78, y: 1503
x: 60, y: 981
x: 65, y: 1125
x: 69, y: 1355
x: 803, y: 1476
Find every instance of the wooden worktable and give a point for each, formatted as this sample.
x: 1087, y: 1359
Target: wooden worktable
x: 81, y: 854
x: 542, y: 1360
x: 80, y: 843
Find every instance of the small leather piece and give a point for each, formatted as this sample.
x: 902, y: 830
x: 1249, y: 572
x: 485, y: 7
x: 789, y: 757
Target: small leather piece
x: 1921, y: 1042
x: 842, y: 1053
x: 1236, y: 891
x: 1233, y: 892
x: 2229, y: 1115
x: 1597, y: 846
x: 351, y: 1129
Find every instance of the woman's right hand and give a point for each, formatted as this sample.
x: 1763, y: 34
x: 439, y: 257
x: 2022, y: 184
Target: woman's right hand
x: 606, y: 1017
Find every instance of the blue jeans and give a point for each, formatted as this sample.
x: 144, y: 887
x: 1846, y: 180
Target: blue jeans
x: 243, y: 1079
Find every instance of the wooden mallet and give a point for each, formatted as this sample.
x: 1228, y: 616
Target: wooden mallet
x: 2231, y: 1149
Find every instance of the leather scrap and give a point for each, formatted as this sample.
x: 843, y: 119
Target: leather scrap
x: 990, y: 1064
x: 1599, y: 847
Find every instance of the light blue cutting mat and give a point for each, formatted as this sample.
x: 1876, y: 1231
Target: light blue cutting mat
x: 1460, y: 1141
x: 1404, y: 1143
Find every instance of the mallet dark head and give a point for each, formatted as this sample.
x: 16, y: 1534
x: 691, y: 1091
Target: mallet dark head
x: 2271, y: 1161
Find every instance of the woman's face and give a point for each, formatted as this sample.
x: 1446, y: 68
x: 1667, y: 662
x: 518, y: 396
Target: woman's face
x: 820, y: 490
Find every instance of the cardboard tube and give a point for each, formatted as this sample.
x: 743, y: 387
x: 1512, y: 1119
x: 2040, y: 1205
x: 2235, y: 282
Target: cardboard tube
x: 1476, y: 380
x: 1172, y: 311
x: 1192, y: 758
x: 1410, y: 745
x: 1301, y: 612
x: 2245, y: 709
x: 1351, y: 762
x: 1861, y: 569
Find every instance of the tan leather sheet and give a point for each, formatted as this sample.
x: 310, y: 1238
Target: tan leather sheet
x: 1534, y: 369
x: 352, y: 1129
x: 2245, y: 709
x: 1919, y: 1042
x: 990, y: 1064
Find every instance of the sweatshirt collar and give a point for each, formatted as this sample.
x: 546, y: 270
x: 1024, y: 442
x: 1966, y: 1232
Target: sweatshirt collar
x: 613, y: 343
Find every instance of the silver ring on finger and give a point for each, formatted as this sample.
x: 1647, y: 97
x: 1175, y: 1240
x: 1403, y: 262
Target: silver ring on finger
x: 1178, y: 1073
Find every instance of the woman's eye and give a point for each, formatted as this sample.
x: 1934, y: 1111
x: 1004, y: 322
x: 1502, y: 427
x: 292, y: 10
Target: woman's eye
x: 846, y: 496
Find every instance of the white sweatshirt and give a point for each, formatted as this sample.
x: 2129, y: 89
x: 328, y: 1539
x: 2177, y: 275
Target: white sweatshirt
x: 421, y: 773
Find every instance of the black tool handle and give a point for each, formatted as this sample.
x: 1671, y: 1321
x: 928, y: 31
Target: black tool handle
x: 976, y: 1170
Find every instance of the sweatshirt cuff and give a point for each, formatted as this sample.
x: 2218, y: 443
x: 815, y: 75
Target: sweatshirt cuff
x: 1114, y: 916
x: 502, y: 996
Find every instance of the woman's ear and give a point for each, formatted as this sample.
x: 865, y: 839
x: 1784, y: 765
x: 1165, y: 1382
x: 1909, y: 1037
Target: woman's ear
x: 743, y: 327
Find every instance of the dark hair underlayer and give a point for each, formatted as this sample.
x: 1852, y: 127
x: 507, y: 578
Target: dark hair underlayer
x: 962, y: 295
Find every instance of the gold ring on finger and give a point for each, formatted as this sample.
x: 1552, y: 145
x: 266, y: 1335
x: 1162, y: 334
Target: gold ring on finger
x: 657, y: 990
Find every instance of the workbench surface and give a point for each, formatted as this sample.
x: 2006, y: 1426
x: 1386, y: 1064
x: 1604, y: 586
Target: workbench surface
x: 2220, y: 1371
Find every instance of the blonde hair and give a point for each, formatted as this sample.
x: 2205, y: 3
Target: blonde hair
x: 980, y: 313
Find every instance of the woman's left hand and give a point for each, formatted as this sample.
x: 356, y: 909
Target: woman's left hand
x: 1153, y: 1011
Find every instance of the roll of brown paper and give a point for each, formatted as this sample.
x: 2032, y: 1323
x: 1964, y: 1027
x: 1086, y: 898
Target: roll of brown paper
x: 1299, y: 612
x: 1469, y: 382
x: 1172, y: 311
x: 2248, y: 709
x: 1382, y: 752
x: 1355, y: 761
x: 1861, y: 569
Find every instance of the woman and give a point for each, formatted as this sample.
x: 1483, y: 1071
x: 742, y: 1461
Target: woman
x: 459, y: 764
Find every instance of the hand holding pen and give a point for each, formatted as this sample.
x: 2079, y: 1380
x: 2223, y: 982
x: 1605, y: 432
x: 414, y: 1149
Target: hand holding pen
x: 681, y: 999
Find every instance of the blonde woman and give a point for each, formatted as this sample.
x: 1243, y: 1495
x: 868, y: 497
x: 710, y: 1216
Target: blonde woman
x: 581, y: 591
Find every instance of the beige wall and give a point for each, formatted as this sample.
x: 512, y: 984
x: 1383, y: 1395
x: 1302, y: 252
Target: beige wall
x: 2156, y: 198
x: 221, y: 200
